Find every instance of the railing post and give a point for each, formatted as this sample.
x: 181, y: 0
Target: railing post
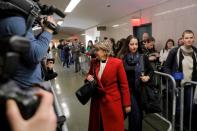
x: 173, y: 97
x: 181, y: 108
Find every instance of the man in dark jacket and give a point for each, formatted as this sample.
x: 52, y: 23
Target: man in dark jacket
x: 66, y: 49
x: 181, y: 63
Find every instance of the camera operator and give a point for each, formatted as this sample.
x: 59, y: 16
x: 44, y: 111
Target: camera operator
x: 15, y: 24
x: 43, y: 120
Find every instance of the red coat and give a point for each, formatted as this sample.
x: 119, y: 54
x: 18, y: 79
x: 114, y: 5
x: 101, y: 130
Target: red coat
x: 112, y: 97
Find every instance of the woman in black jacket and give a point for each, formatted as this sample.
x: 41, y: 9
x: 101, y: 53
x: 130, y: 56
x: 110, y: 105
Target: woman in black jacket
x: 139, y: 71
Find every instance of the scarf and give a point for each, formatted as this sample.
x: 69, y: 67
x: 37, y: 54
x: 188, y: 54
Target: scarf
x: 132, y: 63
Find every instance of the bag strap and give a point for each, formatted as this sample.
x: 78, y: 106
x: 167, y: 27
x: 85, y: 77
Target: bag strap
x: 142, y: 64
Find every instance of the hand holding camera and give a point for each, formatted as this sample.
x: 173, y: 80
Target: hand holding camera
x: 42, y: 120
x: 49, y: 24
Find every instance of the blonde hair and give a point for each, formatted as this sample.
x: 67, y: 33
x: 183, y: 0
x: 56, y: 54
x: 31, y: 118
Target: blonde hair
x: 106, y: 46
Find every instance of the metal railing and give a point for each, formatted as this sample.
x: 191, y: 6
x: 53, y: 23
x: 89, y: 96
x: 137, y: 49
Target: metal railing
x: 58, y: 108
x: 154, y: 120
x: 85, y: 63
x: 170, y: 84
x: 192, y: 85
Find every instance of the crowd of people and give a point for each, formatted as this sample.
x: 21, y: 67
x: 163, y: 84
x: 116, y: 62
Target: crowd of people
x: 122, y: 69
x: 71, y: 52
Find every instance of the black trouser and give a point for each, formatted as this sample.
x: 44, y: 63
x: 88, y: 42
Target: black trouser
x: 66, y: 60
x: 136, y: 115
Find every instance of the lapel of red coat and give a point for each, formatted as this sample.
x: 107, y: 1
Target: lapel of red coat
x: 96, y: 74
x: 107, y: 69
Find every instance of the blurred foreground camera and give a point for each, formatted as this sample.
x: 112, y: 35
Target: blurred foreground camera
x: 11, y: 51
x: 32, y: 10
x: 26, y: 100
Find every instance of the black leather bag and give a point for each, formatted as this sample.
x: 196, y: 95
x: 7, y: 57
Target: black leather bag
x: 151, y: 98
x: 88, y: 90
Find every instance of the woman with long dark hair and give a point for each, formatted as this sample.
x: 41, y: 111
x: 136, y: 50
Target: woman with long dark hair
x: 124, y: 47
x: 139, y: 72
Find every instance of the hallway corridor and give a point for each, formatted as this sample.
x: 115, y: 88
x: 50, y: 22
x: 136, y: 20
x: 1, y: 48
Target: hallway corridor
x: 65, y: 86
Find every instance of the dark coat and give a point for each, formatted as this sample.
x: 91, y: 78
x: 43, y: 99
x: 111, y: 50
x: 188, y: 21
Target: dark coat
x: 66, y: 50
x: 148, y: 71
x: 113, y: 95
x: 171, y: 65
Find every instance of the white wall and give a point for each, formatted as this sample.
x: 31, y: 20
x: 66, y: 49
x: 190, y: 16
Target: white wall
x: 91, y: 34
x: 168, y: 20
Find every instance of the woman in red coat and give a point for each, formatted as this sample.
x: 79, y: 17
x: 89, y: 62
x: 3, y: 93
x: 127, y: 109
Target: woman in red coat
x: 113, y: 98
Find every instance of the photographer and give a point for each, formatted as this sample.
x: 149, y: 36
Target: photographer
x: 15, y: 24
x: 35, y: 105
x: 43, y: 120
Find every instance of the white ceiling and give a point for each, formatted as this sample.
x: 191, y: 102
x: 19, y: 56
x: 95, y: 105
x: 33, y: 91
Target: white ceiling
x: 89, y: 13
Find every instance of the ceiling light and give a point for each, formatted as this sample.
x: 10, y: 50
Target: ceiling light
x: 60, y: 22
x: 36, y: 28
x: 83, y: 34
x: 114, y: 26
x: 71, y: 5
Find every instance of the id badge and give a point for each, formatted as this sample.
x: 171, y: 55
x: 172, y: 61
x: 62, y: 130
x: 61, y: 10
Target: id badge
x: 178, y: 75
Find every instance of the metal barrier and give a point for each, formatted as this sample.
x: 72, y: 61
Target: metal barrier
x: 192, y: 85
x: 168, y: 79
x: 85, y: 63
x: 156, y: 122
x: 58, y: 108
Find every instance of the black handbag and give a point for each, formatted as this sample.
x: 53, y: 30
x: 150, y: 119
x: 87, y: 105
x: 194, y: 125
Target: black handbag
x: 151, y: 97
x: 88, y: 90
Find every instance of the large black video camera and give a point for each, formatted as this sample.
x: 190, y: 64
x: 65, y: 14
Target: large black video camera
x: 32, y: 10
x: 11, y: 51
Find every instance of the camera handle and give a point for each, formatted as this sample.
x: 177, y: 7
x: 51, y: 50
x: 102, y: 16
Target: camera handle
x: 55, y: 28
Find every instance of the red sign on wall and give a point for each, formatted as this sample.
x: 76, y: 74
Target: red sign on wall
x: 135, y: 22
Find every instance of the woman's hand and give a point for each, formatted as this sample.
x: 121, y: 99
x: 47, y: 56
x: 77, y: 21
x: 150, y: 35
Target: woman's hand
x: 145, y: 78
x: 127, y: 109
x: 90, y: 78
x: 152, y: 58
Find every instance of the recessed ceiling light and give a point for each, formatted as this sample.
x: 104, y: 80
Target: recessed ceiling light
x: 60, y: 22
x: 117, y: 25
x: 36, y: 28
x: 71, y: 6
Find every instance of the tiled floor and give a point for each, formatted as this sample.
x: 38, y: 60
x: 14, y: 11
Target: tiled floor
x: 65, y: 86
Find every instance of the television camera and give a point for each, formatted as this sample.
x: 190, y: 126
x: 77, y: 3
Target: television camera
x: 33, y: 10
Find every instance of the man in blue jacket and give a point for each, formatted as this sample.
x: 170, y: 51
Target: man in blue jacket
x: 25, y: 75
